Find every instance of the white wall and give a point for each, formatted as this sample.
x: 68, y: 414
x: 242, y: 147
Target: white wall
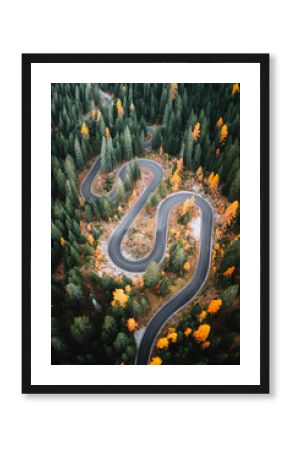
x: 124, y: 422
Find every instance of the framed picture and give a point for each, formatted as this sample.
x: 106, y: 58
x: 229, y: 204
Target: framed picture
x: 145, y: 223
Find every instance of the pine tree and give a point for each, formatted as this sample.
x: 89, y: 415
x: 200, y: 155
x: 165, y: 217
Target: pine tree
x: 107, y: 155
x: 89, y: 213
x: 152, y: 274
x: 196, y: 156
x: 82, y: 329
x: 188, y: 146
x: 78, y: 154
x: 69, y: 168
x: 127, y: 182
x: 110, y: 155
x: 156, y: 140
x: 60, y: 180
x: 135, y: 172
x: 142, y: 139
x: 177, y: 257
x: 234, y: 192
x: 106, y: 209
x: 103, y: 155
x: 121, y: 342
x: 128, y: 152
x: 119, y: 190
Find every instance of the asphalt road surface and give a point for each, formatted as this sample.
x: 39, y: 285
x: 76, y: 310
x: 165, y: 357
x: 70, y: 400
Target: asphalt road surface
x: 185, y: 295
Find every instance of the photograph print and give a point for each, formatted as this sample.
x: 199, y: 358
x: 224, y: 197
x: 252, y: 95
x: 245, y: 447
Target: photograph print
x: 145, y: 223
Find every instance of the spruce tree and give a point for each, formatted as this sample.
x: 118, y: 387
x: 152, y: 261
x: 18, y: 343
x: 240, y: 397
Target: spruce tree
x: 119, y: 190
x: 106, y: 210
x: 152, y: 274
x: 196, y: 156
x: 78, y: 154
x: 69, y: 168
x: 156, y: 139
x: 234, y: 192
x: 188, y: 146
x: 128, y: 151
x: 127, y: 182
x: 177, y: 257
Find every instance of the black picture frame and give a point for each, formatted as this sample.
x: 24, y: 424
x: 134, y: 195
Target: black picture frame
x: 27, y: 60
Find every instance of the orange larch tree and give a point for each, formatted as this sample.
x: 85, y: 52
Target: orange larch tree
x: 119, y: 297
x: 229, y: 271
x: 176, y: 181
x: 85, y: 130
x: 214, y: 306
x: 202, y: 333
x: 187, y: 332
x: 219, y: 122
x: 196, y: 132
x: 231, y: 212
x: 223, y: 133
x: 162, y: 343
x: 236, y: 88
x: 119, y: 107
x: 155, y: 361
x: 172, y: 337
x: 90, y: 239
x: 132, y: 325
x: 213, y: 181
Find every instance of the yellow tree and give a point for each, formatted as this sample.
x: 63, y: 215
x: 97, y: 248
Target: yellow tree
x: 214, y: 306
x: 155, y: 361
x: 202, y: 333
x: 202, y: 316
x: 219, y: 122
x: 223, y: 133
x: 176, y: 181
x: 172, y: 337
x: 186, y: 266
x: 132, y: 325
x: 85, y: 130
x: 213, y: 181
x: 236, y: 88
x: 196, y: 132
x: 108, y: 134
x: 162, y: 343
x: 119, y: 297
x: 231, y: 212
x: 119, y: 108
x: 187, y: 332
x: 62, y: 241
x: 90, y: 239
x: 228, y: 273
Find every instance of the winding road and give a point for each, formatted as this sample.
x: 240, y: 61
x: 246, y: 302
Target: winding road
x: 185, y: 295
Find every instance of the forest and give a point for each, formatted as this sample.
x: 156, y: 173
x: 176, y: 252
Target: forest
x: 192, y: 132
